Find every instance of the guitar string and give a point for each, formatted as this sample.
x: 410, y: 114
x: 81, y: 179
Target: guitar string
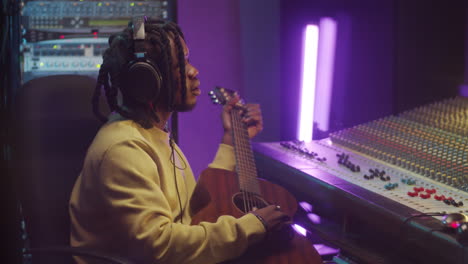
x: 248, y: 177
x: 237, y: 138
x: 250, y: 171
x: 244, y: 168
x: 248, y: 165
x: 251, y: 168
x: 238, y: 163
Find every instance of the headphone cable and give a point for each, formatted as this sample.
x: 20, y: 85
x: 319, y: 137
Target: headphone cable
x: 171, y: 143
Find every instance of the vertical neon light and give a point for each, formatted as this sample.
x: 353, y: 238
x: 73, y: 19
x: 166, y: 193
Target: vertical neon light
x: 309, y: 74
x: 325, y: 61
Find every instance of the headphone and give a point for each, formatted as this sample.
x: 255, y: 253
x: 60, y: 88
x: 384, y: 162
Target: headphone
x: 144, y: 80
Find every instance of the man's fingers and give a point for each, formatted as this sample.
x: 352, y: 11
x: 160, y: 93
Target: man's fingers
x: 234, y: 100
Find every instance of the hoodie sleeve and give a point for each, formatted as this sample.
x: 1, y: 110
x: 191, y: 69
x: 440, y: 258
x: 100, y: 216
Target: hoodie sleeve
x: 142, y: 213
x: 224, y: 159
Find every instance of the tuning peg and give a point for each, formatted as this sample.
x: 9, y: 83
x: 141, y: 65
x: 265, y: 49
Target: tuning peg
x: 211, y: 93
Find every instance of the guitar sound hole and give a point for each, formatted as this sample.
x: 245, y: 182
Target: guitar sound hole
x: 246, y: 202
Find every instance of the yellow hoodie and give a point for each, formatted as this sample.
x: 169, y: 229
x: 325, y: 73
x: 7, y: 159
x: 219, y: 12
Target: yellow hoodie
x: 125, y: 202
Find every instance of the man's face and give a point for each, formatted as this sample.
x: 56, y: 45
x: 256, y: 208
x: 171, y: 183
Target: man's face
x: 191, y: 80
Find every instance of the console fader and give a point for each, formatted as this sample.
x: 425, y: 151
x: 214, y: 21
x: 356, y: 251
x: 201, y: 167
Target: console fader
x: 393, y: 174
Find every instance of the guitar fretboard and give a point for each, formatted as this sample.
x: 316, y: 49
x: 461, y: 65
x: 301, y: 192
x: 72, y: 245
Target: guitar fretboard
x: 245, y: 163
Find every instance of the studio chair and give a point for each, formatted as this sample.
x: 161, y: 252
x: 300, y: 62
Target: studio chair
x: 54, y: 125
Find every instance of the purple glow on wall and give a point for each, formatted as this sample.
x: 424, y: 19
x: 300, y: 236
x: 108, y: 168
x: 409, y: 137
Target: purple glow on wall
x: 211, y: 30
x: 464, y: 90
x: 309, y: 74
x: 325, y: 62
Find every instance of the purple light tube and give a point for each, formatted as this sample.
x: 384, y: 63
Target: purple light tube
x: 309, y: 74
x: 325, y: 62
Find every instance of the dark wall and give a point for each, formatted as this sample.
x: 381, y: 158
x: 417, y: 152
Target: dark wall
x: 466, y: 45
x: 261, y: 65
x: 363, y: 79
x: 430, y: 51
x: 391, y: 55
x: 363, y: 76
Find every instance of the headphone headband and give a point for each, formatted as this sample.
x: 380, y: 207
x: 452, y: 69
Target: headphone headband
x: 138, y: 25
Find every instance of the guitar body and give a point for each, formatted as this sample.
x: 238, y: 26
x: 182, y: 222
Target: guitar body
x: 214, y: 196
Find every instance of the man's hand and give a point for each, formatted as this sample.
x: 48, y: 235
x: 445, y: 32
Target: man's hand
x: 251, y: 116
x: 272, y: 217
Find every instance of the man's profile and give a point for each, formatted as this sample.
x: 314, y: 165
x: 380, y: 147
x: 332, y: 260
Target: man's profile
x: 132, y: 196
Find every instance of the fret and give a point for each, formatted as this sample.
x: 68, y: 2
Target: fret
x: 245, y: 163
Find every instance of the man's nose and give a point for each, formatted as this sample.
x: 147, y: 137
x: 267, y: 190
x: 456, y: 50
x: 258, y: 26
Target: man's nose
x: 192, y: 72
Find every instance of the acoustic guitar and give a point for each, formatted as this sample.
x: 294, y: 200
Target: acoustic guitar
x: 220, y: 192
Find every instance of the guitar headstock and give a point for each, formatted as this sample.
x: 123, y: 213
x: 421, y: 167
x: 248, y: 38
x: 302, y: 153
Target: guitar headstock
x: 220, y: 95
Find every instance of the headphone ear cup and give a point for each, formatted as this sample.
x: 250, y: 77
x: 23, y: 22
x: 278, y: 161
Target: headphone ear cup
x: 144, y: 81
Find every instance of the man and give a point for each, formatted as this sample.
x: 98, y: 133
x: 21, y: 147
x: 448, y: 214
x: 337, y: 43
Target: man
x: 132, y: 196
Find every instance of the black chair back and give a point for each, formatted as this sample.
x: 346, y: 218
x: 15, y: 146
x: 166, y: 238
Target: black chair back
x: 54, y: 127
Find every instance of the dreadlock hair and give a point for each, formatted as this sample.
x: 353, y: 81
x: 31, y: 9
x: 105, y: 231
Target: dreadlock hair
x: 113, y: 72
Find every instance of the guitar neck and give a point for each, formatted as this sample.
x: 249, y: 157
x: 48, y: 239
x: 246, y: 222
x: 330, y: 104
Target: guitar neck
x: 245, y: 162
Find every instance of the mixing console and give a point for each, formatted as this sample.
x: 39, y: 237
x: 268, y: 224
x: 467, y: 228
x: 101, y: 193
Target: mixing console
x: 418, y: 159
x: 450, y: 115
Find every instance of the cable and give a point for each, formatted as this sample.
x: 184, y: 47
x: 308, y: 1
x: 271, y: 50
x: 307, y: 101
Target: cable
x: 418, y: 215
x: 422, y: 215
x: 405, y: 222
x: 171, y: 143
